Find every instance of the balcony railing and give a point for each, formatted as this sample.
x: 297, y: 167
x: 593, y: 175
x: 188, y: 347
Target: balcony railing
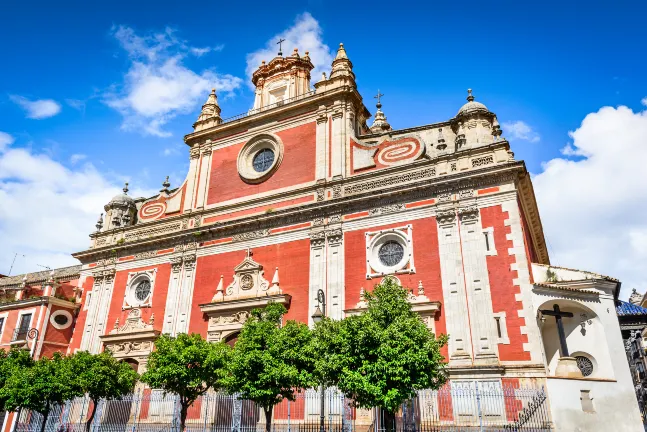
x: 269, y: 107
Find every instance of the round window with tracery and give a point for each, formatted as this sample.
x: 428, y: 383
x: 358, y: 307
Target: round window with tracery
x: 263, y: 160
x: 391, y: 253
x: 143, y: 290
x: 585, y: 364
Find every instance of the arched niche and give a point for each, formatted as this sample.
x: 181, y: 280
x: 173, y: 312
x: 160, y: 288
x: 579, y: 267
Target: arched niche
x: 585, y: 337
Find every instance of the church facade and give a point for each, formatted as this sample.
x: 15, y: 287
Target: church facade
x: 300, y: 197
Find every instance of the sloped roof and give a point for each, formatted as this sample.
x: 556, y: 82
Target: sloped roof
x: 35, y: 278
x: 624, y: 308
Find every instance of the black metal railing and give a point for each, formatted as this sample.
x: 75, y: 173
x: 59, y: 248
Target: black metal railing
x: 461, y: 407
x: 19, y: 334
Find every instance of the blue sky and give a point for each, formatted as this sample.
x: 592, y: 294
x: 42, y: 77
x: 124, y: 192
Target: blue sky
x: 87, y: 71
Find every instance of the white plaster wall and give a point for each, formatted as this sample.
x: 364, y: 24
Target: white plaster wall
x: 616, y: 409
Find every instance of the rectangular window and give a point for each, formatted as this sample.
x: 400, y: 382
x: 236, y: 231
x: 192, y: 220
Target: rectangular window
x: 500, y: 328
x: 25, y: 322
x: 488, y: 241
x: 1, y: 324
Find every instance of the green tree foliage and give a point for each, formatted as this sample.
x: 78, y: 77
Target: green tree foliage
x: 187, y: 366
x: 271, y: 362
x: 47, y: 383
x: 101, y: 376
x: 11, y: 361
x: 381, y: 357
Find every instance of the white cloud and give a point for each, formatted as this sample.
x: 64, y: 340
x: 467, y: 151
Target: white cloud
x: 644, y: 101
x: 158, y: 86
x: 593, y: 208
x: 520, y: 130
x: 199, y: 52
x: 5, y: 140
x: 76, y: 158
x: 37, y: 109
x: 306, y: 35
x: 47, y: 210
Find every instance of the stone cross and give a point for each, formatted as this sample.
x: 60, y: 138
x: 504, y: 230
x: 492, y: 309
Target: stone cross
x: 279, y: 44
x: 560, y: 327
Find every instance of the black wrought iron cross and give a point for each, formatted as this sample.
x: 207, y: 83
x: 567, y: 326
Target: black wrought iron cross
x: 279, y: 44
x: 558, y: 314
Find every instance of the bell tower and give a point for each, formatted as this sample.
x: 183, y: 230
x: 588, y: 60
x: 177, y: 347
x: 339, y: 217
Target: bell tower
x: 282, y: 79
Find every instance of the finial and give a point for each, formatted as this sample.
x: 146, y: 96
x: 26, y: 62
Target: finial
x: 279, y: 44
x: 470, y: 98
x: 116, y: 326
x: 152, y: 319
x: 421, y: 289
x: 213, y: 90
x: 165, y: 185
x: 378, y: 96
x: 249, y: 252
x: 323, y: 76
x: 125, y: 189
x: 99, y: 224
x: 263, y: 63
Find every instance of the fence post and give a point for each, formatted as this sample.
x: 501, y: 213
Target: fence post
x: 206, y: 412
x: 478, y: 406
x: 97, y: 415
x: 289, y: 413
x: 136, y: 412
x: 237, y: 409
x: 82, y: 409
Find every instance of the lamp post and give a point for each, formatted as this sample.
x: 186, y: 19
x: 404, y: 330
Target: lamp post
x: 317, y: 316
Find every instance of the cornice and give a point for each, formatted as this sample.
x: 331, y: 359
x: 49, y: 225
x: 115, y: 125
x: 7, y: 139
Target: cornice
x: 268, y: 115
x: 381, y: 187
x: 45, y: 300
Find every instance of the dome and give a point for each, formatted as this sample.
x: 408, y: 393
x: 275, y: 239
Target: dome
x: 472, y: 106
x: 121, y: 200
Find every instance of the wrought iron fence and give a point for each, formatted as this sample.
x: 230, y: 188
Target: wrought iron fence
x: 460, y: 406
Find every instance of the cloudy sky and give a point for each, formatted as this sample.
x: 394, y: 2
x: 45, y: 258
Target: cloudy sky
x: 92, y: 95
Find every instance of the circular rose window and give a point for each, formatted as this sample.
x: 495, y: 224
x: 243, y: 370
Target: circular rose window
x: 259, y: 158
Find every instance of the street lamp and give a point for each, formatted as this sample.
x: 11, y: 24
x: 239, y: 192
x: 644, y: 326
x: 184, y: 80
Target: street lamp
x: 318, y: 315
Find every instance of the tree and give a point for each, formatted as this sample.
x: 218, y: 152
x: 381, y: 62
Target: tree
x: 101, y: 376
x: 271, y: 362
x: 188, y: 366
x: 381, y: 357
x: 11, y: 361
x: 47, y: 383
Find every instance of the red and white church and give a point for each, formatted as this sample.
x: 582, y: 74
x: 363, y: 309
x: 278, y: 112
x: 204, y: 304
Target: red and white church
x: 300, y: 194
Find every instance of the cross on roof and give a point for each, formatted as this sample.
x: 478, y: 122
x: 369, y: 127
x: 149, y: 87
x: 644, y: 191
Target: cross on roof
x: 249, y: 252
x: 279, y: 44
x: 378, y: 96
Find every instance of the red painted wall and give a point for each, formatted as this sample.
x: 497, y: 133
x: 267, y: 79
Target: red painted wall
x: 426, y: 260
x: 79, y: 324
x: 501, y: 287
x: 298, y: 166
x: 291, y: 258
x: 160, y: 291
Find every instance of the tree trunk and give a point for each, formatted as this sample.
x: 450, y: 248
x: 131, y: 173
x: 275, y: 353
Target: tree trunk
x: 184, y: 408
x: 388, y: 420
x: 268, y: 418
x: 45, y: 415
x: 88, y: 423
